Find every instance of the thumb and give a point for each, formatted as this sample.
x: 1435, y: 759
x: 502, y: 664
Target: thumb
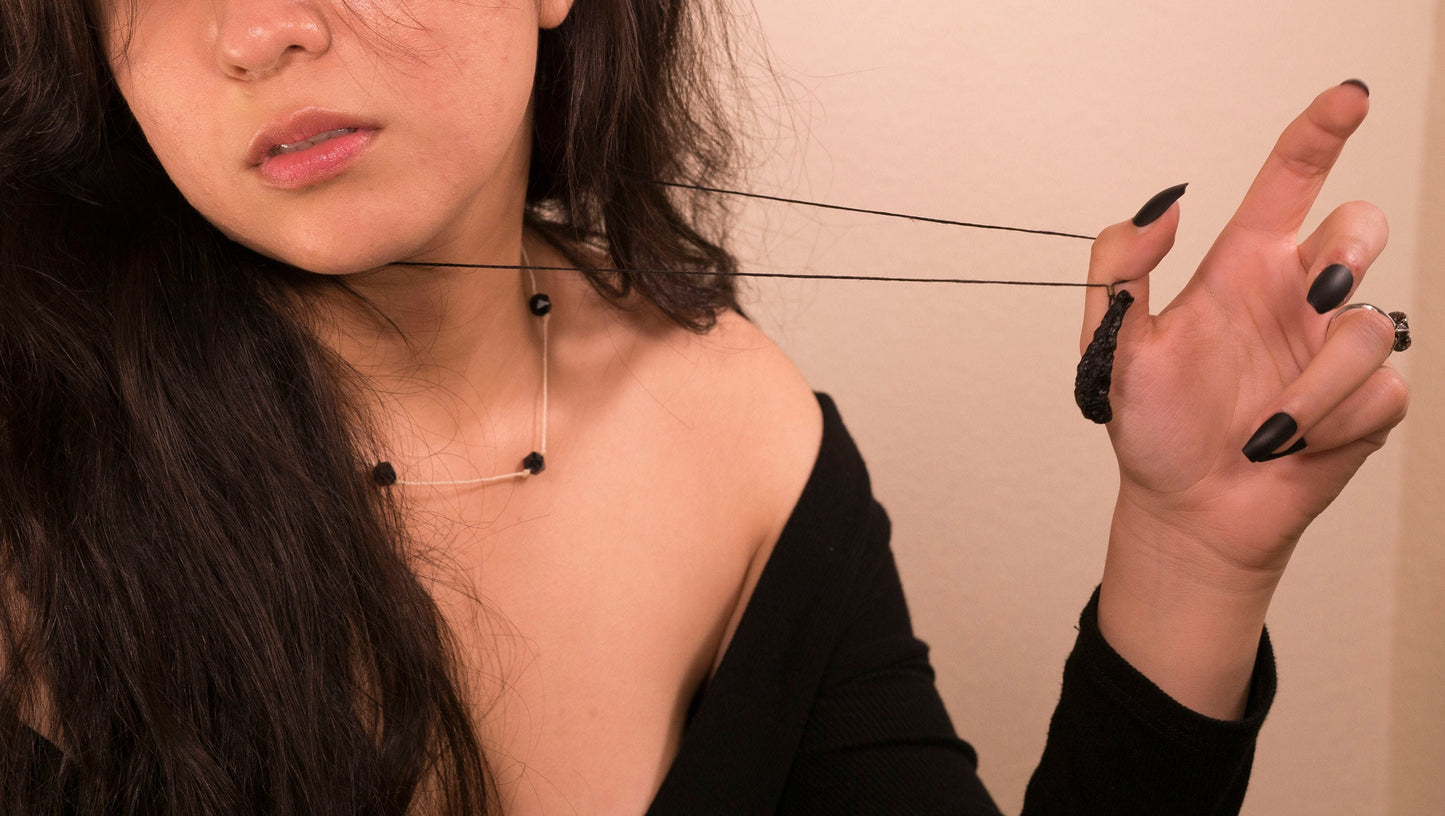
x: 1124, y: 254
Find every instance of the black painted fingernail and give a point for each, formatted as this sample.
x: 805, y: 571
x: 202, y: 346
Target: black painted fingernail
x: 1272, y: 434
x: 1158, y: 205
x: 1358, y: 83
x: 1331, y: 287
x: 1298, y: 446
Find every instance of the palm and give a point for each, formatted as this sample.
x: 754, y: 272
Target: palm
x: 1194, y: 382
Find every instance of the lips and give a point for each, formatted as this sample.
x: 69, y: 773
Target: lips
x: 304, y: 144
x: 308, y: 147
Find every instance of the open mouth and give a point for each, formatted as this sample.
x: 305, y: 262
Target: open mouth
x: 309, y: 146
x: 293, y: 147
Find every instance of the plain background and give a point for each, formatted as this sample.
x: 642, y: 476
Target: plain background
x: 1068, y: 116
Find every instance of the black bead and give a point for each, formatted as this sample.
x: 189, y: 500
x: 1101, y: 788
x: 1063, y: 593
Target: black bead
x: 534, y: 463
x: 384, y: 474
x: 540, y: 304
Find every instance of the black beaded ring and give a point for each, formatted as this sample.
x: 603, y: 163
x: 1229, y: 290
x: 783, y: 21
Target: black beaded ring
x: 1402, y: 330
x: 1401, y: 322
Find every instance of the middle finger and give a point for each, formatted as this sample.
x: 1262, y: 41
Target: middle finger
x: 1337, y: 254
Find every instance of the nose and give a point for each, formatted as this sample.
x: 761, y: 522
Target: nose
x: 259, y: 38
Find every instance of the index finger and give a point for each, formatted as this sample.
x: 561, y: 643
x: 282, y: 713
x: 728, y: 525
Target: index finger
x: 1281, y: 196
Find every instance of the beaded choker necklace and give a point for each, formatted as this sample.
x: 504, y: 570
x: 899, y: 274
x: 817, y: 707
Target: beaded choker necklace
x: 384, y: 474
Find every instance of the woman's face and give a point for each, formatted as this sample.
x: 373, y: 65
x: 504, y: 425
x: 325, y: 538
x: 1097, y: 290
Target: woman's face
x: 339, y: 136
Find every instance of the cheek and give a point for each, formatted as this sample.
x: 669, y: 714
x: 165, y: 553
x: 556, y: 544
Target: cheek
x: 451, y: 99
x: 183, y: 136
x: 185, y: 141
x: 494, y: 82
x: 162, y: 88
x: 468, y: 108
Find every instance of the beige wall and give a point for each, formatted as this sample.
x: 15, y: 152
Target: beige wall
x: 1068, y: 115
x: 1417, y: 766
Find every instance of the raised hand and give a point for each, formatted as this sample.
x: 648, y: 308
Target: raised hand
x: 1240, y: 410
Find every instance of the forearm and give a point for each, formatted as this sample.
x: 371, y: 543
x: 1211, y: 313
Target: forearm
x: 1188, y: 620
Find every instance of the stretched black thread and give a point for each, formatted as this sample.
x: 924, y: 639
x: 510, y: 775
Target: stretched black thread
x: 784, y: 275
x: 1096, y: 367
x: 862, y: 210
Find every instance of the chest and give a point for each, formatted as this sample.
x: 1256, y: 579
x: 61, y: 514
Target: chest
x: 586, y: 627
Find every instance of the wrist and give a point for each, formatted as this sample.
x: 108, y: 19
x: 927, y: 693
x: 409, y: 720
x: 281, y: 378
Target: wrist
x: 1202, y: 550
x: 1181, y: 611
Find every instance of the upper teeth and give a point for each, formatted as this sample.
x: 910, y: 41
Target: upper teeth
x: 314, y: 140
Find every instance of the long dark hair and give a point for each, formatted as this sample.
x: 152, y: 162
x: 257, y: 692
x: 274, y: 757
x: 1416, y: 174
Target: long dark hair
x: 201, y: 594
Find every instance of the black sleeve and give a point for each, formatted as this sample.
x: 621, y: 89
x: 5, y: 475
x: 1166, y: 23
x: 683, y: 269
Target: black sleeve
x: 878, y: 740
x: 1120, y: 745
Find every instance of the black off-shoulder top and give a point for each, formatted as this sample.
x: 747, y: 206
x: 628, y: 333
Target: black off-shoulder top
x: 825, y: 701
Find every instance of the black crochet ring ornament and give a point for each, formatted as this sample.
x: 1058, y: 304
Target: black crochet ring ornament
x: 1096, y: 368
x: 1402, y: 331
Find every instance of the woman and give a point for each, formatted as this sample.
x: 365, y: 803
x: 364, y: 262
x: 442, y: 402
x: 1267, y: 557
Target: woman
x: 250, y: 566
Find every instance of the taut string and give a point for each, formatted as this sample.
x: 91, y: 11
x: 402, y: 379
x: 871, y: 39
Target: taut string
x: 785, y: 275
x: 863, y: 210
x: 1094, y: 376
x: 807, y: 275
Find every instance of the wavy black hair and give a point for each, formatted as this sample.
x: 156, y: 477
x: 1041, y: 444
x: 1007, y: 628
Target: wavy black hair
x: 202, y: 597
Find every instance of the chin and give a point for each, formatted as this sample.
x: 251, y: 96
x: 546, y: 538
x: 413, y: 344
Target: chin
x: 337, y: 264
x: 327, y: 251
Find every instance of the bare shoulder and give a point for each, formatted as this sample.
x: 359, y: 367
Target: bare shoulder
x: 752, y: 411
x: 726, y: 407
x: 775, y: 418
x: 768, y: 399
x: 729, y: 387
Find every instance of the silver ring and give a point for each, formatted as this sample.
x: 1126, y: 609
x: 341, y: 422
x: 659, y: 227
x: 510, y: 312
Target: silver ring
x: 1398, y: 319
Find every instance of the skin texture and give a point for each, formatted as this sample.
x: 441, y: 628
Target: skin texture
x: 445, y: 84
x: 591, y: 602
x: 548, y: 582
x: 1201, y: 535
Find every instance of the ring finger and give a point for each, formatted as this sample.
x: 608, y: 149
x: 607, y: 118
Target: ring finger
x: 1357, y: 343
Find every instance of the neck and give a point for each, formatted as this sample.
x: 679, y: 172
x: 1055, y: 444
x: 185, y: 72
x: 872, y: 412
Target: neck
x: 451, y: 358
x: 406, y: 321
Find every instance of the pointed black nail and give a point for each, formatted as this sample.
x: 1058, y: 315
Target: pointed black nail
x: 1331, y: 287
x: 1358, y: 83
x: 1272, y: 434
x: 1158, y: 205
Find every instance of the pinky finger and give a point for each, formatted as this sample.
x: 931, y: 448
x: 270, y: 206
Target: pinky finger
x: 1358, y: 343
x: 1366, y: 415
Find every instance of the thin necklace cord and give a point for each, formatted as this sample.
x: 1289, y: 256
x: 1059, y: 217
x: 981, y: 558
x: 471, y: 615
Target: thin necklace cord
x: 539, y: 304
